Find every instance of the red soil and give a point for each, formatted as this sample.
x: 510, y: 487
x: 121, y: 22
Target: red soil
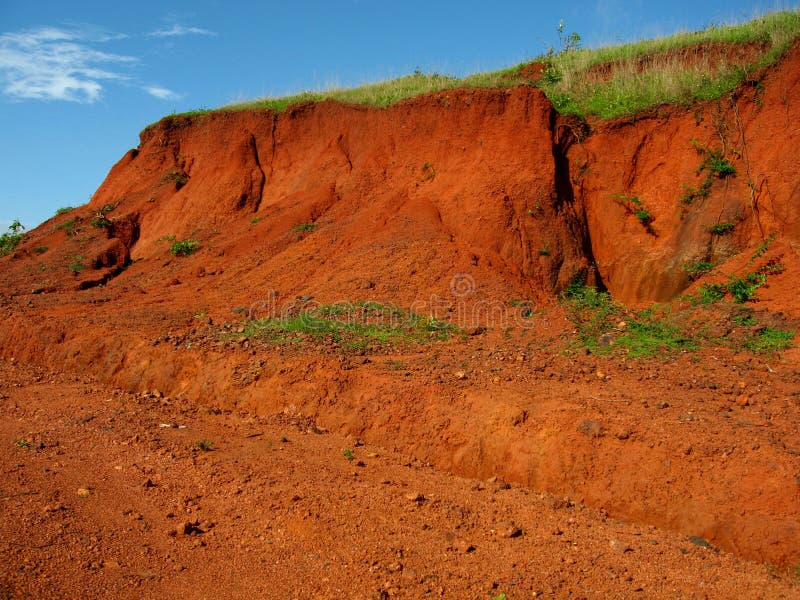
x: 449, y: 200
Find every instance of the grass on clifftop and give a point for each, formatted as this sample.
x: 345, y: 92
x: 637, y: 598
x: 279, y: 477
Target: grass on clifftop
x: 605, y: 82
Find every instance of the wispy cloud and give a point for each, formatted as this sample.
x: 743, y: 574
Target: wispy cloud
x: 50, y: 63
x: 161, y: 93
x: 179, y: 30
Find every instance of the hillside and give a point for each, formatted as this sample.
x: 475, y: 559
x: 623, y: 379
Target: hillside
x: 467, y: 277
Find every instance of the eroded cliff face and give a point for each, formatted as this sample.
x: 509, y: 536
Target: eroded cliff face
x: 486, y: 182
x: 399, y: 199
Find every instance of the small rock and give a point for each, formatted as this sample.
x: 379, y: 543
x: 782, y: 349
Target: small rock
x: 591, y: 428
x: 743, y: 400
x: 477, y: 331
x: 463, y: 546
x: 415, y: 497
x: 461, y: 375
x: 600, y: 375
x: 698, y: 541
x: 620, y: 547
x: 83, y: 492
x: 509, y: 530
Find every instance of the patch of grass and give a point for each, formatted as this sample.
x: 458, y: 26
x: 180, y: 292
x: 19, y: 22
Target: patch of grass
x: 76, y: 266
x: 763, y: 247
x: 652, y: 72
x: 304, y: 227
x: 10, y: 240
x: 742, y: 289
x: 205, y: 445
x: 107, y: 208
x: 178, y: 177
x: 64, y: 210
x: 696, y: 270
x: 184, y: 247
x: 646, y: 333
x: 69, y: 226
x: 721, y: 228
x: 354, y: 325
x: 769, y: 340
x: 40, y: 249
x: 100, y: 221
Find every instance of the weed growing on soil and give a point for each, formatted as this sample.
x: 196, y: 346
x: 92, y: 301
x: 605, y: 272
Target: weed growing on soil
x: 633, y: 206
x: 348, y: 454
x: 100, y: 221
x: 605, y: 327
x: 304, y: 227
x: 769, y: 340
x: 23, y: 443
x: 354, y: 325
x: 68, y: 226
x: 697, y: 269
x: 76, y: 266
x: 64, y: 210
x: 10, y: 240
x: 205, y: 445
x: 721, y: 228
x: 184, y: 247
x: 179, y: 178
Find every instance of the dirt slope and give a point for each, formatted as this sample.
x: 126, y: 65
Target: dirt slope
x: 454, y: 203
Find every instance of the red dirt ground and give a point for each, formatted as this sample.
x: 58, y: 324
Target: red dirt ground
x: 455, y: 203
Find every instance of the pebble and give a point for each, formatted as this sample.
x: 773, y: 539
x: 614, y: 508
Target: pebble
x: 83, y: 492
x: 509, y: 530
x: 620, y: 547
x: 461, y: 375
x: 415, y: 497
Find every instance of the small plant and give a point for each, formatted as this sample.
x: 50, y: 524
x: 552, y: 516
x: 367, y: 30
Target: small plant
x: 180, y: 178
x: 697, y: 269
x: 64, y: 210
x: 107, y: 208
x: 348, y: 454
x: 763, y: 247
x: 284, y: 439
x: 23, y: 443
x: 429, y: 172
x: 10, y: 240
x: 744, y: 289
x: 544, y: 252
x: 69, y: 226
x: 40, y: 249
x: 718, y: 165
x: 205, y: 445
x: 100, y: 221
x: 76, y: 266
x: 184, y: 247
x: 304, y: 227
x: 721, y: 228
x: 255, y: 220
x: 770, y: 340
x: 633, y: 205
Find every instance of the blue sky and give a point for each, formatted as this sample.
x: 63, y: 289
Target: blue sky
x: 79, y: 80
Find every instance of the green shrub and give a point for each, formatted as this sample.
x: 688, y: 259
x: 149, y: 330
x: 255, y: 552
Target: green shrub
x: 721, y: 228
x: 770, y: 340
x: 697, y: 269
x: 64, y: 210
x: 100, y: 222
x: 10, y: 240
x: 184, y: 247
x: 304, y: 227
x: 76, y: 266
x: 744, y: 289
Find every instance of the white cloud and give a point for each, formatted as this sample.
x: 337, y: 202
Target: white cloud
x: 161, y: 93
x: 49, y: 63
x: 179, y: 30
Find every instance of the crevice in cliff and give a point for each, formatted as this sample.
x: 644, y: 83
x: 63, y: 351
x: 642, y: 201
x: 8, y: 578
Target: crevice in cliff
x: 262, y: 184
x: 564, y: 135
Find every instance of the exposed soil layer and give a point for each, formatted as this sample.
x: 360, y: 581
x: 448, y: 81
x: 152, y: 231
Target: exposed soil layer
x: 472, y: 205
x: 275, y: 510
